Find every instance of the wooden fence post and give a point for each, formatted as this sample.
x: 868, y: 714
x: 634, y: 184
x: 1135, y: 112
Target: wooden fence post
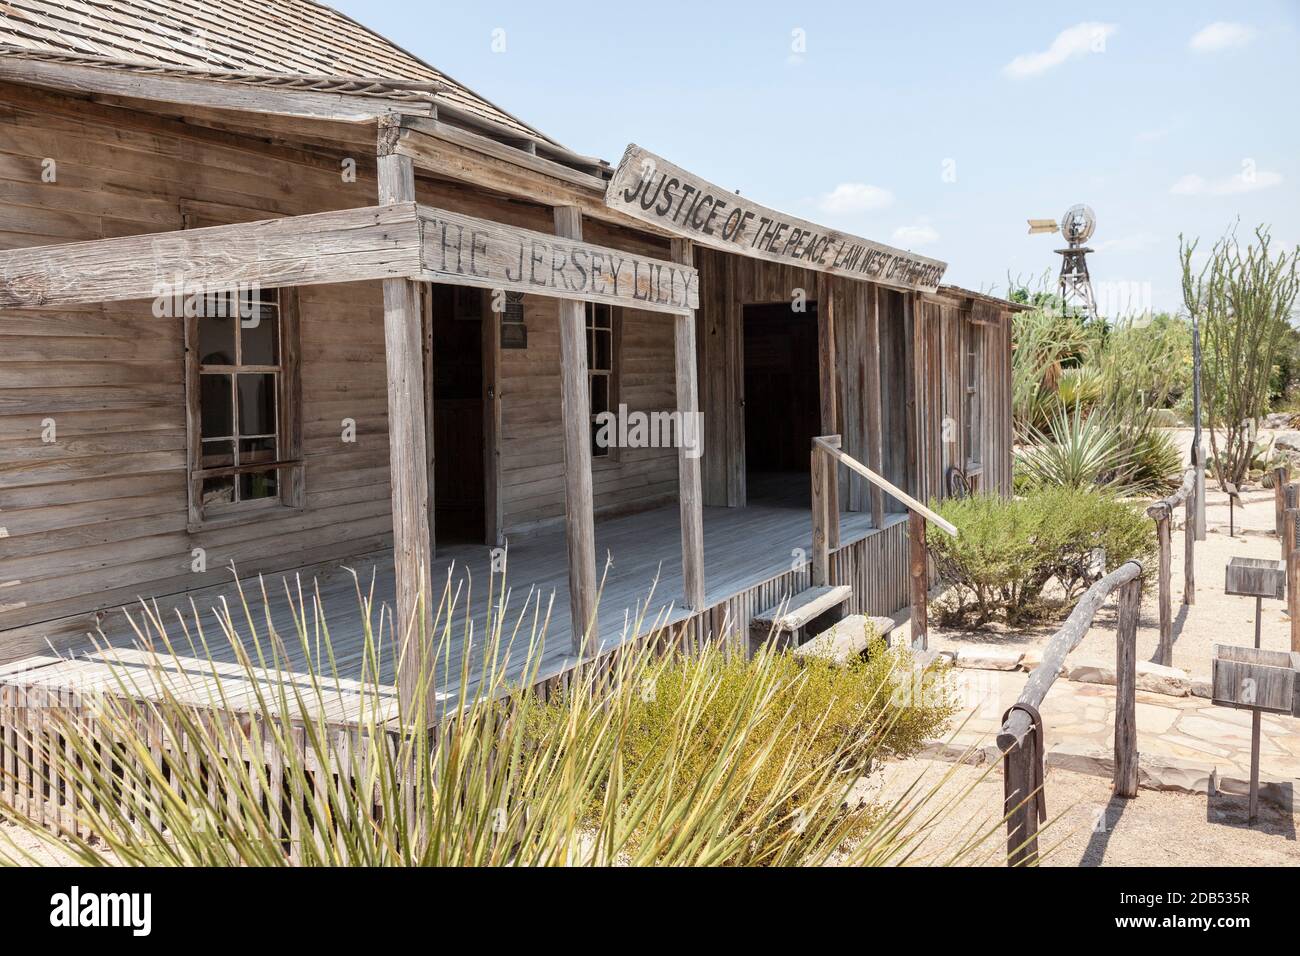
x: 1126, y: 753
x: 1286, y: 533
x: 1293, y: 596
x: 1189, y: 549
x: 1281, y: 477
x: 919, y: 570
x: 1164, y: 649
x: 1020, y: 800
x: 821, y: 558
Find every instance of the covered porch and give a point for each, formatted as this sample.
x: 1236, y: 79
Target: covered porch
x: 757, y: 556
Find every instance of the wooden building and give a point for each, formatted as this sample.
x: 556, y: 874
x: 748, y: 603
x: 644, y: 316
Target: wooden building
x: 275, y: 293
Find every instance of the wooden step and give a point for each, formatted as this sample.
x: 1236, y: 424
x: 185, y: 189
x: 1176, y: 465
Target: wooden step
x: 846, y: 639
x: 801, y: 608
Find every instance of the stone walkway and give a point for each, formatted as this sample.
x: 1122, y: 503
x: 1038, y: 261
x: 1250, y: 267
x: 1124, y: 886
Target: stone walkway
x: 1185, y: 743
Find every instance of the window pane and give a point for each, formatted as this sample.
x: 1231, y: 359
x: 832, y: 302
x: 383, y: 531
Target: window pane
x: 259, y: 485
x: 218, y: 454
x: 257, y: 404
x: 217, y: 339
x: 258, y: 338
x: 217, y: 491
x: 599, y: 394
x: 600, y: 356
x: 254, y: 450
x: 215, y: 410
x: 597, y: 450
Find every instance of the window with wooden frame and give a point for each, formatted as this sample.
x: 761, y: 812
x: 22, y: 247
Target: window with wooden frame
x: 603, y: 334
x: 243, y: 406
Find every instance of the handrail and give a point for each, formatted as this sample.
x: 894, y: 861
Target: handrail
x: 1166, y: 505
x: 1062, y: 643
x: 889, y: 488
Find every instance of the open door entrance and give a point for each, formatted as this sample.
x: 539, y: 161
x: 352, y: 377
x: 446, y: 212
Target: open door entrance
x: 455, y: 368
x: 782, y: 409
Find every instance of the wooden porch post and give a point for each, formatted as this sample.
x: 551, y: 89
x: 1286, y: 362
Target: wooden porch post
x: 919, y: 573
x: 408, y: 462
x: 827, y: 387
x: 579, y: 507
x: 688, y: 459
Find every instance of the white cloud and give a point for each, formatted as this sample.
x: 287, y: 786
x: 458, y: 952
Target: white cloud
x: 1078, y: 40
x: 855, y: 197
x: 1221, y: 36
x: 915, y: 236
x: 1247, y: 181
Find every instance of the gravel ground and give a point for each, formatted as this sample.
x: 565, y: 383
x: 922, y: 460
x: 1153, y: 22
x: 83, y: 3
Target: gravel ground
x: 1155, y: 829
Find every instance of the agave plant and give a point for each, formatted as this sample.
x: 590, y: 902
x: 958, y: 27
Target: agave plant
x: 156, y: 776
x: 1078, y: 450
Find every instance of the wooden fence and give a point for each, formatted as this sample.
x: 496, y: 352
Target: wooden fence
x: 1286, y: 495
x: 1163, y: 511
x: 826, y: 455
x: 1022, y: 737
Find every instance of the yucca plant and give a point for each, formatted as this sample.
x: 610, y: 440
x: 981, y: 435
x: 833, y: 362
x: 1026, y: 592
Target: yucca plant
x: 319, y: 769
x: 1077, y: 450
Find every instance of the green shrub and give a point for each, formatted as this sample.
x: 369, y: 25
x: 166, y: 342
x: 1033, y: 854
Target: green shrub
x: 818, y: 715
x: 1008, y: 551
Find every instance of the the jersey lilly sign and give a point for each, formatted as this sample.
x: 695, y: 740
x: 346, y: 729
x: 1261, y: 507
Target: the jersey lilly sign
x: 653, y: 190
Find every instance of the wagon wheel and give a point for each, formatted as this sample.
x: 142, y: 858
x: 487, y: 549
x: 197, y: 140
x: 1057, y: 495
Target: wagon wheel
x: 958, y: 483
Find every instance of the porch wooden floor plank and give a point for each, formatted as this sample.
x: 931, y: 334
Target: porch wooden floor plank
x: 743, y: 547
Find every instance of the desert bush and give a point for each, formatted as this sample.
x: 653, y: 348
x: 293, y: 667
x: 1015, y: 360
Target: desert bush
x: 845, y: 717
x: 1007, y: 552
x: 648, y: 759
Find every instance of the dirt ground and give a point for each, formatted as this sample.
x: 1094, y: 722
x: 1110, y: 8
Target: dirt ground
x: 1087, y: 826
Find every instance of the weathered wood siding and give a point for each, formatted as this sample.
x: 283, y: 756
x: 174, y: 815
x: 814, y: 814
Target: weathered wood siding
x: 532, y: 459
x: 98, y: 516
x: 878, y: 333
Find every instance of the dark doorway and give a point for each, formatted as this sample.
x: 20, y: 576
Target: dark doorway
x: 457, y: 372
x: 782, y: 406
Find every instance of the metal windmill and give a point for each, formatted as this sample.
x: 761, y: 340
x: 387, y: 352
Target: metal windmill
x: 1075, y: 285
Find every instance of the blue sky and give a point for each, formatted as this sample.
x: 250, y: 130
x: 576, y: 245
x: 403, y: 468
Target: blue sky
x: 938, y: 127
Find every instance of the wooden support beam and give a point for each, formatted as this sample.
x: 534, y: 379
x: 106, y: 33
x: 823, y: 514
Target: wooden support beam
x: 347, y: 245
x: 1281, y: 476
x: 872, y: 399
x: 827, y: 385
x: 688, y: 452
x: 1189, y: 547
x: 919, y: 574
x: 823, y: 470
x: 466, y: 160
x: 579, y: 507
x: 1126, y: 752
x: 408, y: 459
x: 1021, y: 796
x: 1293, y: 596
x: 1165, y: 649
x: 219, y: 91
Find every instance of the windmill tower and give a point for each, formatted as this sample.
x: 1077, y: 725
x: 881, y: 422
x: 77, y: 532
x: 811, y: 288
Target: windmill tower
x: 1075, y: 284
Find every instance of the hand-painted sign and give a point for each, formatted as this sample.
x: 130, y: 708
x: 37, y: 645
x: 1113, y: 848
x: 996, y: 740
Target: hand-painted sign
x: 653, y: 190
x: 462, y: 250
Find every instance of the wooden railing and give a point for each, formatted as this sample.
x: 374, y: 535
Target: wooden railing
x: 826, y: 455
x: 1022, y: 737
x: 1162, y: 511
x: 1286, y: 495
